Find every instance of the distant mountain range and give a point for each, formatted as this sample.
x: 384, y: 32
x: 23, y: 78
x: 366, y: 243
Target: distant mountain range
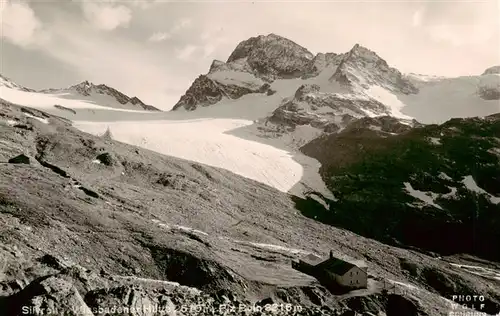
x: 100, y: 94
x: 357, y: 83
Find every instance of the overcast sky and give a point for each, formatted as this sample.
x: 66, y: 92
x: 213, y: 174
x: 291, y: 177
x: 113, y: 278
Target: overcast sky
x: 154, y: 49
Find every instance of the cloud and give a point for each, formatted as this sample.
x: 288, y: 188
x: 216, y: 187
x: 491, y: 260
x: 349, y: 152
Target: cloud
x: 106, y: 16
x: 159, y: 37
x: 212, y: 39
x: 186, y: 53
x: 208, y: 50
x: 458, y: 35
x: 458, y: 25
x: 417, y: 18
x: 18, y: 23
x: 182, y: 24
x: 178, y: 26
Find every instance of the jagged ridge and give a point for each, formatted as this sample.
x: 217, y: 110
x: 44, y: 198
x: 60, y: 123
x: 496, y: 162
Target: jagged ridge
x: 362, y: 67
x: 87, y: 88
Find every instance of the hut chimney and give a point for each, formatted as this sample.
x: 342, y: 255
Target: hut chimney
x: 331, y: 254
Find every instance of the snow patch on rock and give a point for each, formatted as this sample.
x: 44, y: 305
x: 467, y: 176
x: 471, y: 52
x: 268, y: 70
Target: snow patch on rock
x: 471, y: 185
x: 43, y: 120
x: 425, y: 197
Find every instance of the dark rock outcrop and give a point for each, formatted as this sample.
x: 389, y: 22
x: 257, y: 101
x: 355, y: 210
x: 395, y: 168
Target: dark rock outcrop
x: 305, y: 89
x: 206, y: 91
x: 203, y: 92
x: 20, y: 159
x: 106, y: 159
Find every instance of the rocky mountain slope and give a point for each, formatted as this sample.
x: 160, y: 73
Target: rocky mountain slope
x: 361, y: 68
x: 8, y: 83
x: 435, y: 187
x: 212, y: 88
x: 102, y: 95
x: 134, y: 229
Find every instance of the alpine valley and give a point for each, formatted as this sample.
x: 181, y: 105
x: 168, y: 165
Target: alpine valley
x: 107, y: 202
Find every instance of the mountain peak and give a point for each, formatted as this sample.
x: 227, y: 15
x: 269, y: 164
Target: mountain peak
x: 362, y: 67
x: 358, y: 51
x: 85, y: 83
x: 272, y: 36
x: 272, y: 56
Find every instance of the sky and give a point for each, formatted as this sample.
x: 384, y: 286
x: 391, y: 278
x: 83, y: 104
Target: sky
x: 154, y: 49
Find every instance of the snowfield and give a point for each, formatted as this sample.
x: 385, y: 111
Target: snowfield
x: 205, y: 141
x: 45, y: 101
x: 442, y: 99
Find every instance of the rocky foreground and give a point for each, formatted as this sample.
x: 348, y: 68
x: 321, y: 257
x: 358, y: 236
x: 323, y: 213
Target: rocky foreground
x: 91, y: 226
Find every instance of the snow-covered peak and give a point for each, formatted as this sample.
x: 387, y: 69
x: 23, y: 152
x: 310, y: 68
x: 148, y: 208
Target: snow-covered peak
x: 8, y: 83
x: 492, y: 70
x: 358, y: 51
x: 101, y: 94
x: 270, y: 43
x: 84, y: 88
x: 361, y: 68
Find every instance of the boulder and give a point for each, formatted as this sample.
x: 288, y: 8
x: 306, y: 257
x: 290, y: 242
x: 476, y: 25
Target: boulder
x: 20, y: 159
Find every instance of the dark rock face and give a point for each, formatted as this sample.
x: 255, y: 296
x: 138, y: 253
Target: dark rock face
x: 190, y: 270
x: 106, y: 159
x: 273, y: 56
x: 206, y: 91
x: 361, y: 67
x: 203, y: 92
x: 320, y: 62
x: 21, y: 159
x: 305, y: 89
